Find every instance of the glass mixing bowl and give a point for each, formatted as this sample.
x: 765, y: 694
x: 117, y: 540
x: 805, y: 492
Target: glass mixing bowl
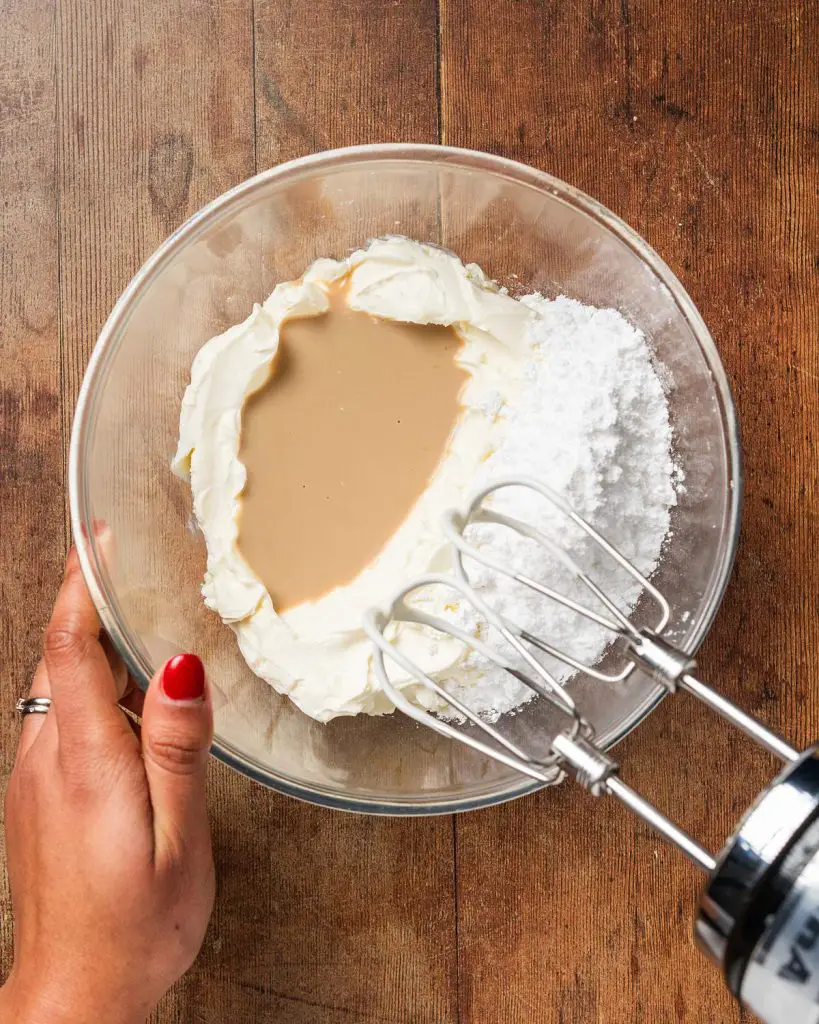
x: 528, y: 231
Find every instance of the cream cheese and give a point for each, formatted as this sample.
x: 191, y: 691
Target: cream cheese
x: 317, y: 653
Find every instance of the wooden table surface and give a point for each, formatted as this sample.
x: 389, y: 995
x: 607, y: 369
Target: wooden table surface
x: 694, y: 121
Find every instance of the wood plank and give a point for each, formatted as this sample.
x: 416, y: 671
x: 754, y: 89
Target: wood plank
x: 351, y: 919
x: 156, y: 118
x: 320, y: 917
x: 331, y: 74
x: 31, y: 471
x: 694, y: 123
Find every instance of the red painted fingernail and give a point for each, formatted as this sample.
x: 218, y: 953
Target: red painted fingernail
x: 183, y: 678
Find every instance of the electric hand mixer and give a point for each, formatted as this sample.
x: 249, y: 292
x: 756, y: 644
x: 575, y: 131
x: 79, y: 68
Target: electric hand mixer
x: 758, y: 917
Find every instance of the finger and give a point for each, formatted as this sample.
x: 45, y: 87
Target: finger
x: 177, y: 729
x: 40, y: 684
x: 130, y: 696
x: 33, y: 724
x: 116, y: 664
x: 82, y: 684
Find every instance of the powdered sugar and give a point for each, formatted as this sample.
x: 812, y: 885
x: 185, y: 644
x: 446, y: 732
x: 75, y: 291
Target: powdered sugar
x: 592, y: 422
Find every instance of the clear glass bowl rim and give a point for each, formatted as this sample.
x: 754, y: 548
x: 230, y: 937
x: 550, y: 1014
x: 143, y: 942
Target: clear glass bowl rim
x: 105, y: 348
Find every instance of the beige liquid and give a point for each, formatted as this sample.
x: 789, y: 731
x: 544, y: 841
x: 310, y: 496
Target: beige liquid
x: 339, y: 443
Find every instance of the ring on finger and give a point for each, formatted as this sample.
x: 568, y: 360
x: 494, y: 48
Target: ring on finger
x: 32, y: 705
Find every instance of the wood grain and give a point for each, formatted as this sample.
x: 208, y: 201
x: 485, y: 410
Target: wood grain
x: 155, y: 105
x: 158, y: 117
x: 343, y: 74
x: 31, y: 465
x: 323, y: 917
x: 697, y: 124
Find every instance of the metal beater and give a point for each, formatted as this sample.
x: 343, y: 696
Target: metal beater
x: 758, y: 917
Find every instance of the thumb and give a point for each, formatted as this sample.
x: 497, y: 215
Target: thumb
x: 177, y: 728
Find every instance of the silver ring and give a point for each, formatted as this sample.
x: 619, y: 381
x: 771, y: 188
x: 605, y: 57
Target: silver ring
x: 32, y: 705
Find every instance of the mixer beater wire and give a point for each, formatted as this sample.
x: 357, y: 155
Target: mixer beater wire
x: 574, y: 748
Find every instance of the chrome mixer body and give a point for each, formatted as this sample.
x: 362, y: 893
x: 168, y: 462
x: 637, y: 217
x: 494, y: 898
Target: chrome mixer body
x: 758, y: 917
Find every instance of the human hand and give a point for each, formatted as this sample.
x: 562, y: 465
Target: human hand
x: 107, y: 836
